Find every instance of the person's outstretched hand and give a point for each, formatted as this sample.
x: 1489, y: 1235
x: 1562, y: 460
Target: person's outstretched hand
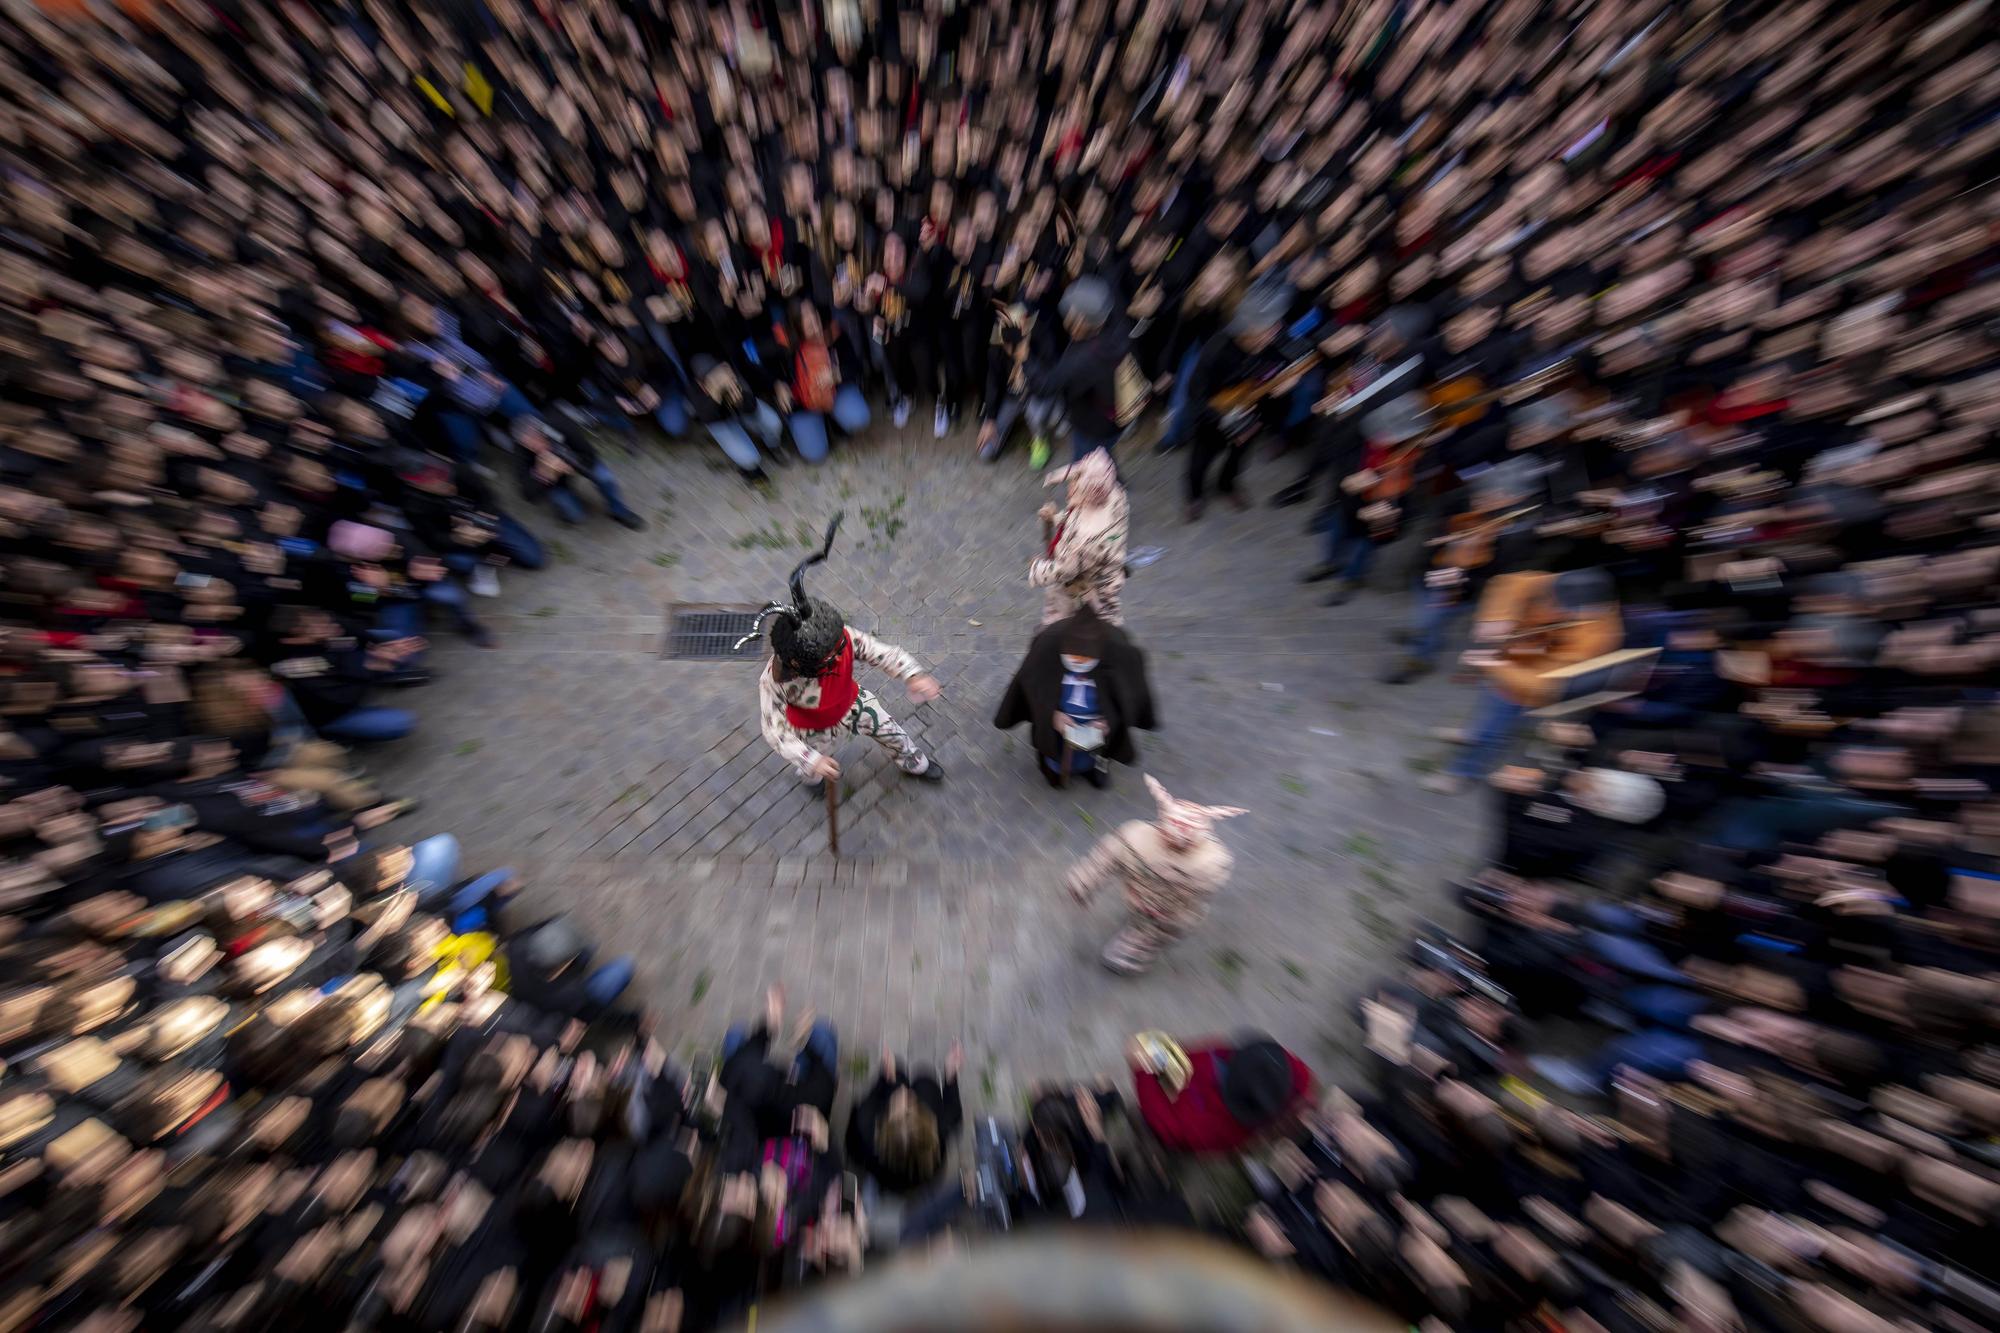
x: 924, y: 687
x: 824, y: 768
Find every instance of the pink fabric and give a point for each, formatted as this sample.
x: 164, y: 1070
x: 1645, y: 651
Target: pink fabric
x: 359, y: 541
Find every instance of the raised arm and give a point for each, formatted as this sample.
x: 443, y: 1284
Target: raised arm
x: 1087, y: 876
x: 887, y: 656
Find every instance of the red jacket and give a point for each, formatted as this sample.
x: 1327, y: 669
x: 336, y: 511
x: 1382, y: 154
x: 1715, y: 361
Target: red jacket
x: 1197, y: 1120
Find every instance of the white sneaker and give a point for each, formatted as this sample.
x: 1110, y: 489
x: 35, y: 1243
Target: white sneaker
x: 484, y: 581
x: 940, y: 421
x: 902, y: 413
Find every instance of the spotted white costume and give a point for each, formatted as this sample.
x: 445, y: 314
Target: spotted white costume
x: 779, y: 703
x: 1084, y: 564
x: 807, y: 697
x: 1170, y: 869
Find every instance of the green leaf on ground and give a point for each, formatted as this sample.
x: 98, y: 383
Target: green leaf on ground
x: 1229, y: 966
x: 1294, y: 971
x: 666, y: 559
x: 1360, y: 844
x: 702, y: 979
x: 772, y: 538
x: 634, y: 790
x: 558, y: 549
x: 857, y: 1066
x: 467, y: 747
x: 1421, y: 763
x: 543, y: 612
x: 1292, y: 784
x: 1089, y: 820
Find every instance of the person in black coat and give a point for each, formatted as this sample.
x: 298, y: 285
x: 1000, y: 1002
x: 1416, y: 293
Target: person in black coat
x: 1080, y: 676
x: 901, y: 1130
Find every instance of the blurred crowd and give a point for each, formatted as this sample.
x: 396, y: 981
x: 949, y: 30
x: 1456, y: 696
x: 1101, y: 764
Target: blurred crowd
x: 1650, y: 346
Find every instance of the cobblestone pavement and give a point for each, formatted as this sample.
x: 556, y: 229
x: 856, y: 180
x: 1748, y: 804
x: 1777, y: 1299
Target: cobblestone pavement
x: 635, y: 791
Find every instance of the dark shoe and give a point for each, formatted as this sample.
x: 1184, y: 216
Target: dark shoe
x: 933, y: 772
x: 1288, y: 496
x: 1406, y: 670
x: 1318, y: 574
x: 479, y: 636
x: 625, y: 518
x: 1097, y: 777
x: 406, y: 679
x: 1193, y: 511
x: 1049, y: 775
x: 1342, y: 590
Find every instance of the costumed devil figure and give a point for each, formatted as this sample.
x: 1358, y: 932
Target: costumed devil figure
x: 807, y: 695
x: 1083, y: 681
x: 1170, y: 867
x: 1084, y: 561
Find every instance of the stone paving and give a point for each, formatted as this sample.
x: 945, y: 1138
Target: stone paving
x: 636, y: 792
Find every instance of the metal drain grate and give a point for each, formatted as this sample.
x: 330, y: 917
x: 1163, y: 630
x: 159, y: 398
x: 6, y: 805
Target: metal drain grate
x: 709, y: 633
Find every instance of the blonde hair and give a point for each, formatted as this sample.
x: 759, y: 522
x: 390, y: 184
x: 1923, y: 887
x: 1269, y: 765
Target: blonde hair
x: 907, y: 1140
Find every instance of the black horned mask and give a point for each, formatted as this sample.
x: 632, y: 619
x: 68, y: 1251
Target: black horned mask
x: 806, y: 632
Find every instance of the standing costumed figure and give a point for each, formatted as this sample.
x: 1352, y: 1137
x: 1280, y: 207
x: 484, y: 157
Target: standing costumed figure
x: 1171, y: 868
x: 807, y: 696
x: 1084, y: 562
x: 1082, y: 682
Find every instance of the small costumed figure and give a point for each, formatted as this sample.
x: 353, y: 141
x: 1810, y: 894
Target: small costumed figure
x: 1170, y: 868
x: 1084, y: 563
x: 1082, y: 690
x: 807, y: 697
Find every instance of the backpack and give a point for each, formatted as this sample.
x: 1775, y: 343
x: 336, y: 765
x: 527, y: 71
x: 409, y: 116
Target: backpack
x: 813, y: 377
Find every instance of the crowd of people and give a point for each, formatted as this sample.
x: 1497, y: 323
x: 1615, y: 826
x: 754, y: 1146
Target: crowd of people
x: 1658, y: 338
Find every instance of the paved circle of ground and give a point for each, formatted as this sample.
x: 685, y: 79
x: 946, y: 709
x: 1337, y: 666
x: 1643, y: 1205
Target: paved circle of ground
x: 635, y: 792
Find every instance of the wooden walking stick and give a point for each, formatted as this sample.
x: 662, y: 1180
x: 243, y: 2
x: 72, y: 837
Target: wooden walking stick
x: 833, y: 816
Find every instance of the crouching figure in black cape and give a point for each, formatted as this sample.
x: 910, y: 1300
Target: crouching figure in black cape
x: 1082, y: 681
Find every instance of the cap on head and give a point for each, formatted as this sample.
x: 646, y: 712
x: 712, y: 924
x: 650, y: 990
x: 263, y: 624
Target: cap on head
x: 1088, y: 302
x: 1408, y: 323
x: 1261, y: 311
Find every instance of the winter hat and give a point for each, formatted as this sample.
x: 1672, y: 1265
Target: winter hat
x: 1628, y: 798
x: 1088, y: 300
x: 359, y: 541
x: 1256, y: 1082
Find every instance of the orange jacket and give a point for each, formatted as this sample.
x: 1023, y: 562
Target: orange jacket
x: 1523, y: 602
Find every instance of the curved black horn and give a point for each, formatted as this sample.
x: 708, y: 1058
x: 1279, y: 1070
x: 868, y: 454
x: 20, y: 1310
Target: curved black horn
x: 797, y: 579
